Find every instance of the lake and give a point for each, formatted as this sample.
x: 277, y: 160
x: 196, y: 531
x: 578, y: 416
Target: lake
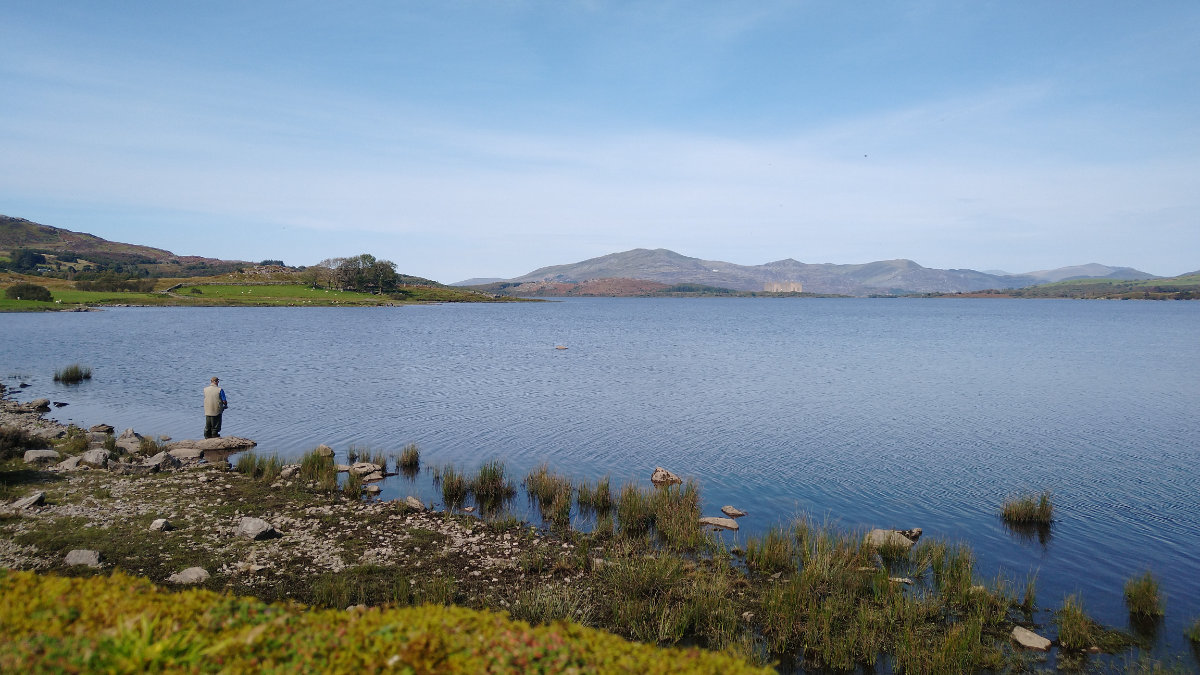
x: 867, y: 412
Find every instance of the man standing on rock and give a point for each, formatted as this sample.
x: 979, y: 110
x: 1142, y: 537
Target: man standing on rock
x: 214, y: 405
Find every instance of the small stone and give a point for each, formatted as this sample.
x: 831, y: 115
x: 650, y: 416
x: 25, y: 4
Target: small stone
x: 720, y: 523
x: 41, y: 456
x: 1029, y: 639
x: 372, y: 489
x: 42, y: 404
x: 469, y: 509
x: 192, y: 575
x: 161, y: 525
x: 901, y: 580
x: 747, y: 616
x: 732, y: 511
x: 83, y: 557
x: 101, y: 428
x: 414, y: 503
x: 255, y: 528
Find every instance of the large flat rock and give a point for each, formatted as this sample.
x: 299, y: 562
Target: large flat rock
x: 206, y: 444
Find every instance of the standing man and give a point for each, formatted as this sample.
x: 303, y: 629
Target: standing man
x: 214, y: 405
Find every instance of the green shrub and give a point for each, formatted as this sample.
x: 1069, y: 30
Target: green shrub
x: 73, y: 374
x: 122, y: 623
x: 1029, y: 509
x: 14, y: 441
x: 26, y: 291
x: 1142, y: 596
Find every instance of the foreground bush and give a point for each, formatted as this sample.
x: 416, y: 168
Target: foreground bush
x: 124, y: 624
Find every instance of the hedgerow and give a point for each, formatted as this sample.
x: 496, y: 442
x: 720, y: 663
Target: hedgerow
x: 124, y: 624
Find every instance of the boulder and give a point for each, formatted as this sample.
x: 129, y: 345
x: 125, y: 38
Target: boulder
x: 732, y: 512
x: 162, y: 462
x: 372, y: 489
x: 898, y: 539
x: 83, y: 557
x: 374, y: 476
x: 127, y: 468
x: 36, y: 499
x: 192, y: 575
x: 103, y: 429
x: 289, y: 471
x: 161, y: 525
x: 323, y: 451
x: 185, y: 454
x: 415, y: 503
x: 41, y: 456
x: 68, y: 464
x: 97, y: 458
x: 720, y: 523
x: 129, y: 441
x: 1029, y: 639
x: 40, y: 404
x: 663, y: 477
x: 255, y: 528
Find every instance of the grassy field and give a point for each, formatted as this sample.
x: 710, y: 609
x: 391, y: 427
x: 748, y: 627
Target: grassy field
x: 230, y: 290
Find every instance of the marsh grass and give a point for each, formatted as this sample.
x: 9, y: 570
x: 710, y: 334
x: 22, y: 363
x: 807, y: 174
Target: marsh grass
x: 491, y: 486
x: 1193, y: 632
x: 73, y: 374
x: 354, y: 453
x: 410, y: 460
x: 594, y: 499
x: 1077, y: 631
x: 265, y: 468
x: 379, y: 458
x: 366, y: 585
x: 551, y: 493
x: 547, y: 604
x: 1029, y: 509
x: 353, y: 487
x: 1142, y: 597
x: 774, y: 551
x: 677, y: 516
x: 635, y: 511
x: 454, y: 486
x: 319, y: 471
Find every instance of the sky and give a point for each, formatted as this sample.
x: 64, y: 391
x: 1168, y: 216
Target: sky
x: 462, y: 138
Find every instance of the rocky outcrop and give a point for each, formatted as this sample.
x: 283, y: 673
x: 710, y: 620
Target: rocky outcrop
x: 662, y: 477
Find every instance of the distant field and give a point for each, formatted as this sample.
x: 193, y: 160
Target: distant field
x: 203, y: 292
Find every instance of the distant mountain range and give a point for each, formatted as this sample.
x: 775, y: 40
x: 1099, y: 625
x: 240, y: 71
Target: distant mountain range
x: 890, y: 277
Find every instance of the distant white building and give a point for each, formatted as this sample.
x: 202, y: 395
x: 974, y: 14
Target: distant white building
x: 783, y: 287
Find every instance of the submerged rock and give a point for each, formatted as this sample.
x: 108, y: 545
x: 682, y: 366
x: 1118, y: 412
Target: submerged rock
x: 899, y: 539
x: 1029, y: 639
x: 732, y: 512
x: 722, y: 523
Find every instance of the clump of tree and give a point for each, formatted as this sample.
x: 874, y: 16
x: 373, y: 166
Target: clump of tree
x: 362, y: 273
x: 28, y: 292
x: 109, y: 282
x: 278, y: 263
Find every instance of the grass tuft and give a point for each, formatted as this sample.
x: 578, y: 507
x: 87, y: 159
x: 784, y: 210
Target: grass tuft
x: 318, y: 470
x: 491, y: 487
x: 596, y: 498
x: 265, y: 468
x: 1142, y: 596
x: 1029, y: 509
x: 454, y: 487
x: 410, y: 458
x: 73, y: 374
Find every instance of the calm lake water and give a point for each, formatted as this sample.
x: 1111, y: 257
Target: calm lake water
x: 890, y: 413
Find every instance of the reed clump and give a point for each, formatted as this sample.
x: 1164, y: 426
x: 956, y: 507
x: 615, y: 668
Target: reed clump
x: 635, y: 512
x: 1193, y: 633
x: 1077, y: 631
x: 1029, y: 509
x: 454, y: 486
x: 1142, y: 597
x: 73, y: 374
x: 265, y: 468
x: 551, y: 493
x: 774, y: 551
x: 353, y: 487
x: 319, y: 470
x: 491, y: 486
x: 410, y: 458
x: 594, y: 498
x: 677, y: 516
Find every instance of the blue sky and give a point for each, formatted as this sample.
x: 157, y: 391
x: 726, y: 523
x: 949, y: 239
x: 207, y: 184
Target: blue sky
x: 463, y: 139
